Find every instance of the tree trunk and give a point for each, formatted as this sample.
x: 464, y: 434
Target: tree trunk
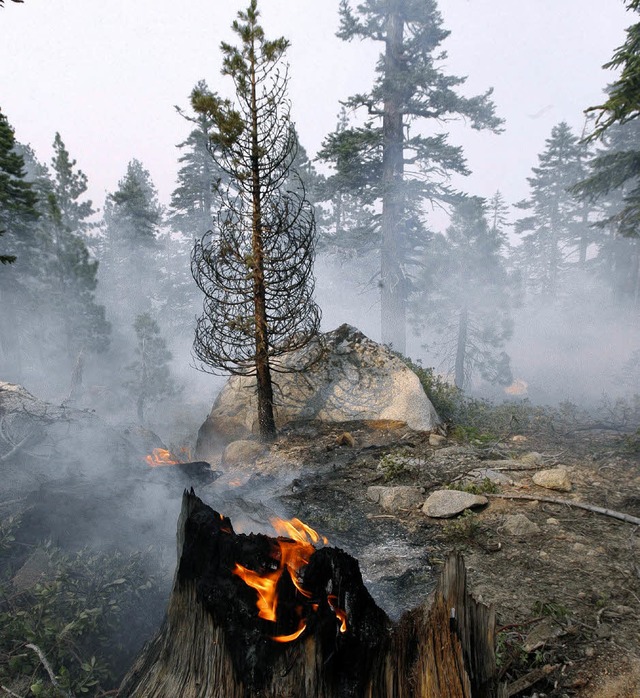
x: 215, y: 644
x: 461, y: 349
x: 266, y: 421
x: 393, y: 290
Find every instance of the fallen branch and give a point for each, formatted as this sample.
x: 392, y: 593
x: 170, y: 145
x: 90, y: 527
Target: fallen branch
x: 568, y: 502
x: 9, y: 692
x: 530, y: 679
x: 48, y: 669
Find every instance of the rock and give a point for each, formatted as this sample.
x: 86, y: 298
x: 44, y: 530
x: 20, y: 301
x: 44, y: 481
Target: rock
x: 519, y: 525
x: 554, y: 479
x: 442, y: 504
x: 436, y: 440
x: 518, y: 439
x: 542, y: 633
x: 346, y: 439
x: 352, y: 378
x: 491, y: 475
x: 36, y: 568
x: 551, y: 521
x: 396, y: 498
x: 242, y: 452
x: 532, y: 458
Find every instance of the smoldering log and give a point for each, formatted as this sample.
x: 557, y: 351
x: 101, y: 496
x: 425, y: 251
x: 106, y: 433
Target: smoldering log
x: 328, y: 638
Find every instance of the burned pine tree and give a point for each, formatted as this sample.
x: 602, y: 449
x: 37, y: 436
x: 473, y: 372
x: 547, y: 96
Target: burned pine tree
x: 255, y: 268
x: 257, y: 617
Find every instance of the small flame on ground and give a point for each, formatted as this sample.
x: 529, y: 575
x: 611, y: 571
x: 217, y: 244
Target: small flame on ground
x: 160, y: 456
x: 295, y: 547
x: 518, y: 387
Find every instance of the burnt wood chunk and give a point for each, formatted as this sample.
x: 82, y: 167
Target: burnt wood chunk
x: 324, y: 638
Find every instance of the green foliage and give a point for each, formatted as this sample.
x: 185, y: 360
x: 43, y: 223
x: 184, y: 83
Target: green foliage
x: 463, y: 528
x: 86, y: 615
x: 551, y: 609
x: 17, y: 199
x: 623, y: 103
x: 393, y: 465
x: 471, y: 434
x: 444, y: 396
x: 151, y: 377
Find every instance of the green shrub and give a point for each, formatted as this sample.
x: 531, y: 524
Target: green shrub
x: 89, y: 615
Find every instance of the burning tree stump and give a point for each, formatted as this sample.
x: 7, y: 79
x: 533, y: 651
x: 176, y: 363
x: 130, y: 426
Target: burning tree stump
x: 256, y: 617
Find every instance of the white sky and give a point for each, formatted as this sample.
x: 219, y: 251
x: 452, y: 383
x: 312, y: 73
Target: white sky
x: 107, y: 74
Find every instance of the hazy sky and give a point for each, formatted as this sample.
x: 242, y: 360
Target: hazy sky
x: 106, y: 75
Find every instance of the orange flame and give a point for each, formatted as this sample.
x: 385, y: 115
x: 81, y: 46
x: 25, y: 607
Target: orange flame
x: 294, y: 636
x: 160, y: 456
x: 340, y: 614
x: 295, y: 548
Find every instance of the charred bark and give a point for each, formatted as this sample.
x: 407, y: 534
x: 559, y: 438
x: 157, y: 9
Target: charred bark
x: 214, y: 644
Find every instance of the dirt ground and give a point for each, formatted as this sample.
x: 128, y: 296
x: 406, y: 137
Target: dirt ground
x: 567, y: 592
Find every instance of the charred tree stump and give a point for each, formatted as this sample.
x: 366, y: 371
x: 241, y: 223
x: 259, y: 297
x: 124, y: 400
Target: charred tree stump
x: 325, y: 639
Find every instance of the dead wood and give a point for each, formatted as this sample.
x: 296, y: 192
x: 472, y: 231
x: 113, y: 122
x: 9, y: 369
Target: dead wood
x: 214, y: 644
x: 572, y: 503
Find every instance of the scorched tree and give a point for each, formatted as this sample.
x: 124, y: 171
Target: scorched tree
x: 255, y: 268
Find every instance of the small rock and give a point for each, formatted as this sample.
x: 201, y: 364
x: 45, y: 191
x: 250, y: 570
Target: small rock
x: 579, y: 547
x: 518, y: 439
x: 443, y: 504
x: 589, y: 651
x: 532, y: 458
x: 552, y: 522
x: 541, y: 634
x: 37, y: 567
x: 242, y: 452
x: 554, y: 479
x: 603, y: 631
x: 396, y: 498
x: 493, y: 476
x: 436, y: 440
x: 519, y: 525
x: 346, y: 439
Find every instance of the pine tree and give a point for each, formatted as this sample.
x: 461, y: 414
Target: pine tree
x: 194, y: 200
x: 70, y: 185
x: 558, y: 222
x: 399, y: 169
x: 151, y: 377
x: 622, y: 106
x: 468, y: 296
x: 255, y: 269
x: 612, y: 190
x: 17, y: 198
x: 129, y: 248
x: 18, y: 219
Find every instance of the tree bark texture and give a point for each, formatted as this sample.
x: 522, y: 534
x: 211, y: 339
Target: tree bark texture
x: 393, y: 284
x: 266, y: 420
x: 213, y: 644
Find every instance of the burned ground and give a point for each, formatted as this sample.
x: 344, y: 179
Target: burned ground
x: 567, y: 593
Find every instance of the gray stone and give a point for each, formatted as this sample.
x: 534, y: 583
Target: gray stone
x: 437, y: 440
x: 491, y: 475
x: 554, y: 479
x: 396, y: 498
x: 37, y: 568
x: 519, y: 525
x: 442, y: 504
x: 242, y: 452
x: 542, y: 633
x: 351, y: 378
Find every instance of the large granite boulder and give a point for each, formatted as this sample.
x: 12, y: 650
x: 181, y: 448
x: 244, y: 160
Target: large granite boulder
x: 352, y: 378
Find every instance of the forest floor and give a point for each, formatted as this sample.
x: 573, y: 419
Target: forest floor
x: 566, y: 592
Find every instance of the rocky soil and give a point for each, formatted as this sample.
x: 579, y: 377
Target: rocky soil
x: 565, y: 581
